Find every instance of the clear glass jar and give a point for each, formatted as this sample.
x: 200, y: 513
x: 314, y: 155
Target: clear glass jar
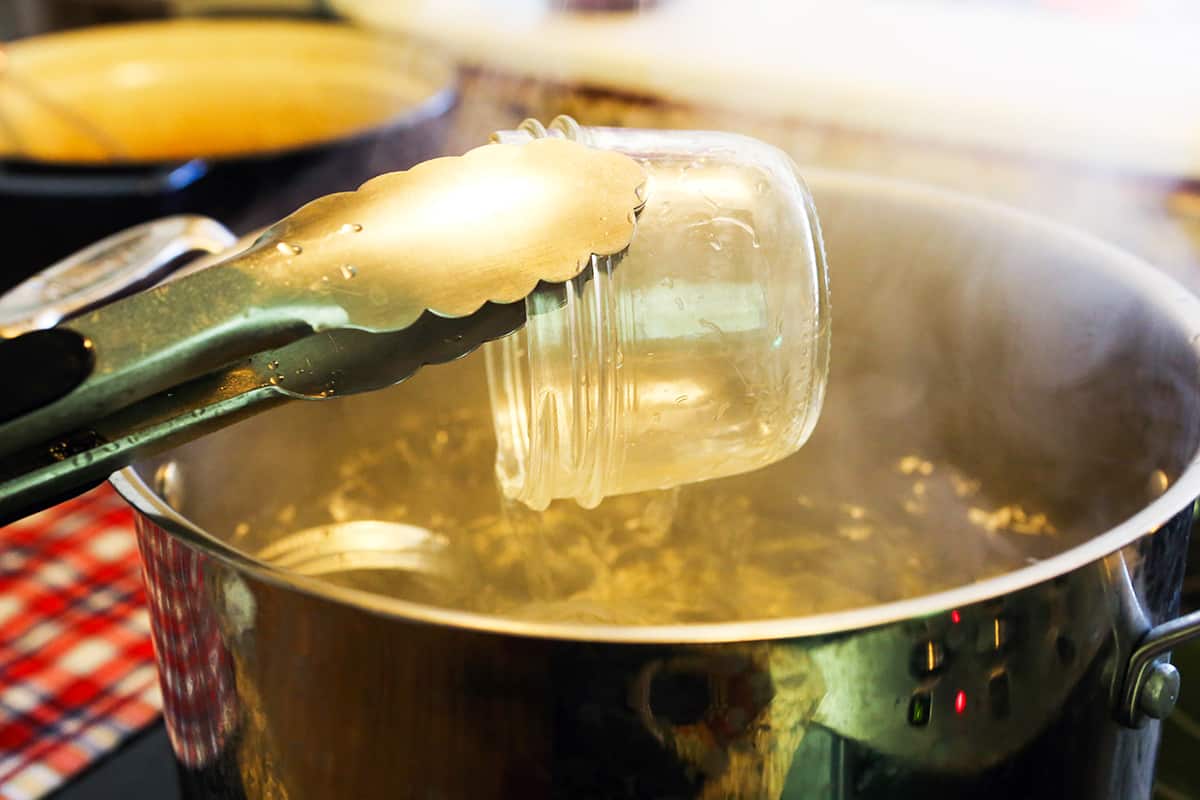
x: 702, y: 352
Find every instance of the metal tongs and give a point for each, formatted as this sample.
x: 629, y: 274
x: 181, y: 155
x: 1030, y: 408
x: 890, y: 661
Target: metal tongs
x: 351, y: 293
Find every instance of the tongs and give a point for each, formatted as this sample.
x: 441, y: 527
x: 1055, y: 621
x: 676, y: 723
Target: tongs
x: 351, y: 293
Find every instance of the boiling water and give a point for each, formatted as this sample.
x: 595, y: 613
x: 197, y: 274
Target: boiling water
x: 422, y: 519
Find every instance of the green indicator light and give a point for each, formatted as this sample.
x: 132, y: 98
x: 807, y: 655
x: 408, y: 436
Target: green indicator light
x: 918, y: 709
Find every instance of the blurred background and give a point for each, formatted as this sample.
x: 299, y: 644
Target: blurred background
x: 116, y: 111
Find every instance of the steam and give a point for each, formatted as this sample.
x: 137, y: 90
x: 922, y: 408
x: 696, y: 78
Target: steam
x: 1050, y: 400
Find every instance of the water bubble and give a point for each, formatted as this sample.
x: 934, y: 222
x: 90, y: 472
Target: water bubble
x: 289, y: 249
x: 352, y: 227
x: 349, y: 271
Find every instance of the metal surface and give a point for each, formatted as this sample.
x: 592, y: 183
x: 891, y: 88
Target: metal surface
x: 997, y: 687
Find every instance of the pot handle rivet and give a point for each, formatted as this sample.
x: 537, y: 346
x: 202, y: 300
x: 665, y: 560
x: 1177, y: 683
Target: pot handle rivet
x: 1160, y: 691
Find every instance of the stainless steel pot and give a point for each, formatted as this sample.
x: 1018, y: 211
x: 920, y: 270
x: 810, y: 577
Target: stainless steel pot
x: 1058, y: 373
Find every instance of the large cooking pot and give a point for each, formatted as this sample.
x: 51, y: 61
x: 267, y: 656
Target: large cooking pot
x: 988, y: 528
x: 241, y: 119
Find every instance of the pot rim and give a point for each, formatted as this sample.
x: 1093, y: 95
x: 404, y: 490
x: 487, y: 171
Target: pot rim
x: 1175, y: 302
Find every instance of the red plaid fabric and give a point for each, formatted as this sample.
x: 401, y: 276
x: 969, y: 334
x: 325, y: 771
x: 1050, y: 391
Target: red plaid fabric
x: 76, y: 667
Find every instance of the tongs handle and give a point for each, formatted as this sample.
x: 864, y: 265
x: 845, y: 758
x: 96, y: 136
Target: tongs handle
x: 441, y: 241
x: 152, y: 341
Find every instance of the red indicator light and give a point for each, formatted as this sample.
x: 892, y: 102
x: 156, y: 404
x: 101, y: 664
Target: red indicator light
x: 955, y: 617
x: 960, y: 702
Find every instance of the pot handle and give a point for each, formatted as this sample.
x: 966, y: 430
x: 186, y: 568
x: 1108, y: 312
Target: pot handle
x: 1151, y: 685
x: 1145, y: 685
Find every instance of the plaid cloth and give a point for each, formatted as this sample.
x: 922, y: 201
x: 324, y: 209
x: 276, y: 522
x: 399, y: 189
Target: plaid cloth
x: 76, y: 666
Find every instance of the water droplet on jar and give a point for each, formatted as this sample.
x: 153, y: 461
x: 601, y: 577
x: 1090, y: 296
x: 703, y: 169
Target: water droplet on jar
x: 681, y: 399
x: 289, y: 249
x: 352, y: 227
x: 272, y: 365
x: 761, y: 187
x: 715, y: 244
x: 349, y: 271
x: 679, y: 303
x: 640, y: 193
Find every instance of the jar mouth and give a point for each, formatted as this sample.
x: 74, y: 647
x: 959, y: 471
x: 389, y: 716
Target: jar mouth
x: 557, y: 391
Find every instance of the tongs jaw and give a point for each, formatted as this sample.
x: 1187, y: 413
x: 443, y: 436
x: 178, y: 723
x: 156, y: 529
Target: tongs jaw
x: 353, y: 292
